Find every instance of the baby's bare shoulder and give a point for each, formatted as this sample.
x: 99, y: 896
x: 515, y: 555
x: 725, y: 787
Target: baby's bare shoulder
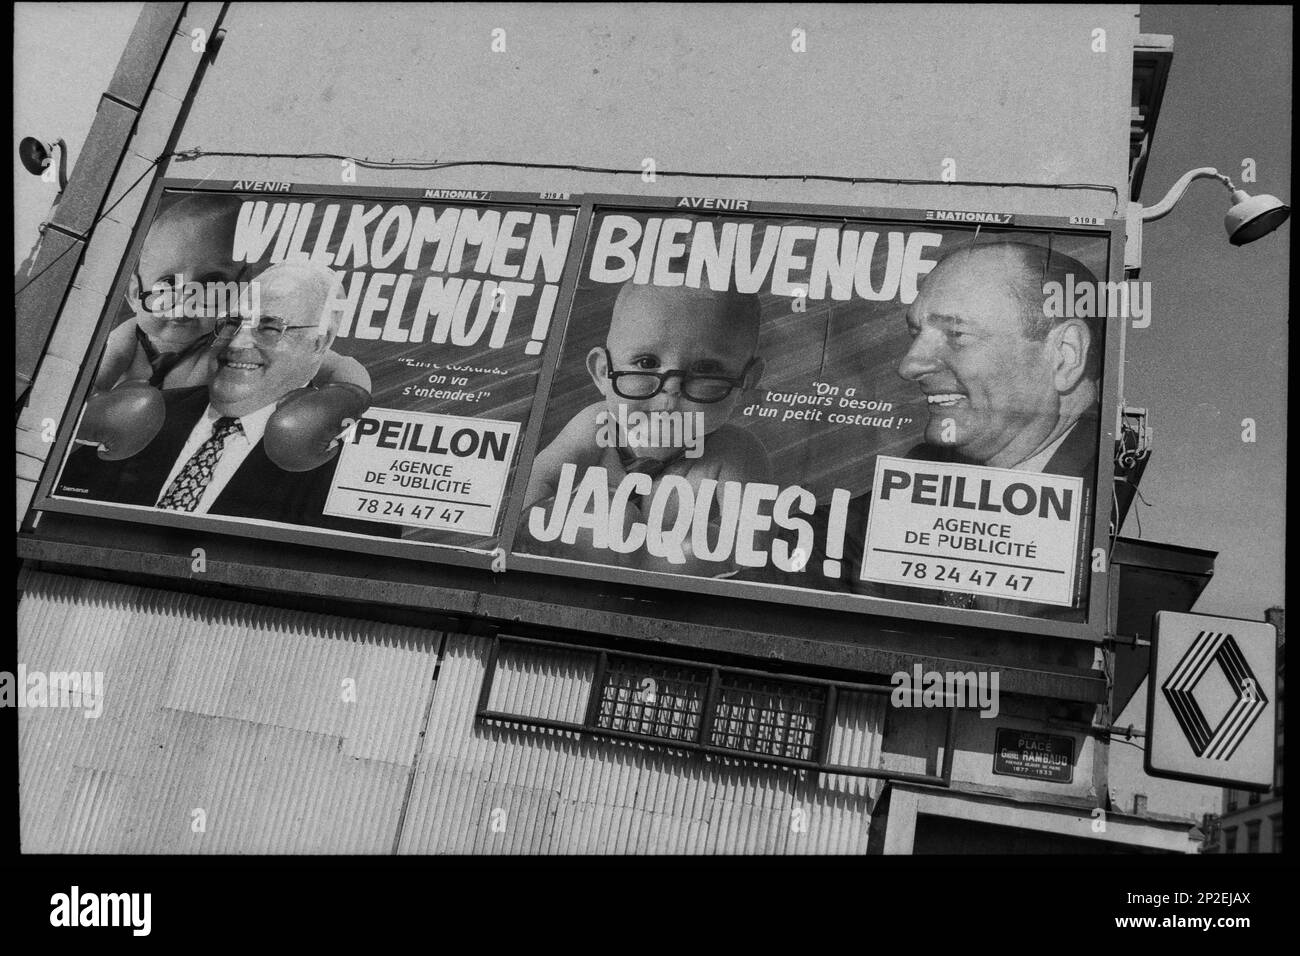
x: 580, y: 431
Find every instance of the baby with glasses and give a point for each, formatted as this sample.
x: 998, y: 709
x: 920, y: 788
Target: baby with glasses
x: 682, y: 350
x: 167, y: 344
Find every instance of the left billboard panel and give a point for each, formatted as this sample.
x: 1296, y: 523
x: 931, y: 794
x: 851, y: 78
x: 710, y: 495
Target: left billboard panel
x: 355, y: 362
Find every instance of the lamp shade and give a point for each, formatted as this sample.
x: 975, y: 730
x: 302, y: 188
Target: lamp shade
x: 1251, y: 217
x: 34, y: 155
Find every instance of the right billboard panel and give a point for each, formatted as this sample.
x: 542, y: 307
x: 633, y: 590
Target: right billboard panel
x: 901, y: 410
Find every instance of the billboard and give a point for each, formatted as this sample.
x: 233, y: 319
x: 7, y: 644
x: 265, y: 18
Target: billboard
x: 885, y: 411
x: 396, y: 416
x: 836, y: 405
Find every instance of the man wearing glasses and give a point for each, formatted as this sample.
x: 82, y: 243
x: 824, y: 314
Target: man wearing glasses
x: 676, y: 356
x: 209, y: 456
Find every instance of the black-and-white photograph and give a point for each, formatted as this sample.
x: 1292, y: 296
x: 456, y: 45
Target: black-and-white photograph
x: 627, y: 434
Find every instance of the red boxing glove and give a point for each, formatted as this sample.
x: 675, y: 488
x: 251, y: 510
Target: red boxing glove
x: 303, y: 432
x: 124, y: 421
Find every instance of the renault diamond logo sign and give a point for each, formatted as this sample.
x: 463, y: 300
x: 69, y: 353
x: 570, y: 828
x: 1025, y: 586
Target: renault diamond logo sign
x: 1209, y: 649
x: 1210, y: 710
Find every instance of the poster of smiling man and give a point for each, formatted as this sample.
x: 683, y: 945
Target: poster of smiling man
x: 359, y: 362
x: 904, y: 410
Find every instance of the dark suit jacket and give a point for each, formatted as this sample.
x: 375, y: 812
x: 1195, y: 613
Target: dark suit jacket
x: 1076, y: 457
x: 258, y: 489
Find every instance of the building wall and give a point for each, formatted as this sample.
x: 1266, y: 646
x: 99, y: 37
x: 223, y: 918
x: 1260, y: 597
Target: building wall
x: 1265, y: 815
x: 225, y: 727
x: 230, y: 727
x: 1010, y: 93
x: 500, y: 789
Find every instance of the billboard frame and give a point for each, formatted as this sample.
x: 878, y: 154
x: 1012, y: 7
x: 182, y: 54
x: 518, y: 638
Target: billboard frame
x: 1096, y: 625
x: 45, y: 500
x: 585, y: 206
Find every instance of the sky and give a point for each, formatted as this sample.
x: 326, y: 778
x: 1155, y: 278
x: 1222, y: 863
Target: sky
x: 64, y: 58
x: 1214, y: 355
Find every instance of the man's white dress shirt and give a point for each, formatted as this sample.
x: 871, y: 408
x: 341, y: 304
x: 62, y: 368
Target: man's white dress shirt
x: 236, y: 449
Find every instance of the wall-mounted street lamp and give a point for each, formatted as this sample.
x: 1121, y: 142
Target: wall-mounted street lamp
x: 35, y: 156
x: 1249, y: 217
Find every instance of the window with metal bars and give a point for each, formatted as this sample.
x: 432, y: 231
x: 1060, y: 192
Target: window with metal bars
x: 652, y: 698
x: 774, y: 718
x: 728, y: 711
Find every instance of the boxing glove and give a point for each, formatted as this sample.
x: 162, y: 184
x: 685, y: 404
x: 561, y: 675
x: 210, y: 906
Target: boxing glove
x: 303, y: 432
x: 124, y: 421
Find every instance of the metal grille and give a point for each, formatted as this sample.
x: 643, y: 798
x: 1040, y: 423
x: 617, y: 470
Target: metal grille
x: 657, y: 700
x: 775, y: 718
x: 726, y: 711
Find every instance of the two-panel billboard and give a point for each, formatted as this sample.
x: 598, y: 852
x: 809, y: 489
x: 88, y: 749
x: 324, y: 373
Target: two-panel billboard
x: 894, y: 412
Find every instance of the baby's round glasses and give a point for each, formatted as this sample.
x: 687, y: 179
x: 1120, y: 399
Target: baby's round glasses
x: 164, y: 298
x: 704, y: 388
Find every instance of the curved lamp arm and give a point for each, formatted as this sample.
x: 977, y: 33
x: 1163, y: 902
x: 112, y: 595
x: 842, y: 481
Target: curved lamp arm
x: 1165, y: 206
x: 63, y: 163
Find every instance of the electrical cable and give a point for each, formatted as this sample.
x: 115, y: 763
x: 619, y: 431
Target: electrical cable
x: 199, y: 153
x: 98, y: 219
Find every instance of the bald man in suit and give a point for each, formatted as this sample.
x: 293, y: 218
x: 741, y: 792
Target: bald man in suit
x: 1006, y: 387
